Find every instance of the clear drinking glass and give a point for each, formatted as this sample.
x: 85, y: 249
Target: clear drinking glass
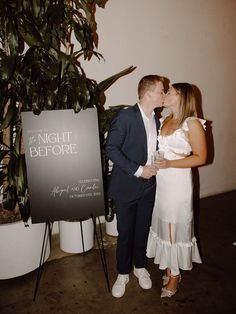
x: 157, y: 156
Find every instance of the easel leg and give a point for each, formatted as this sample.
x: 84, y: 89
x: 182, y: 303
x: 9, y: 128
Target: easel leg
x: 101, y: 250
x: 47, y: 235
x: 82, y: 237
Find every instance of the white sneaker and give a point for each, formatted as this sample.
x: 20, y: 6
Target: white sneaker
x: 143, y: 278
x: 118, y: 288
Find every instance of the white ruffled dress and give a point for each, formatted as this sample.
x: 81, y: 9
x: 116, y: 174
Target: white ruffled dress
x: 173, y: 209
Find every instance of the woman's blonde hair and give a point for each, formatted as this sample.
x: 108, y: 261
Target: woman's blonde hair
x: 187, y: 106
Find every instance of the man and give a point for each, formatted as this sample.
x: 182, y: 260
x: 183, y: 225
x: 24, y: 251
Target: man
x: 131, y: 140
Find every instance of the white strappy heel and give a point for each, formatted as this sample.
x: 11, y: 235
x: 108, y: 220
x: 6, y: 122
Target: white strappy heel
x: 166, y: 293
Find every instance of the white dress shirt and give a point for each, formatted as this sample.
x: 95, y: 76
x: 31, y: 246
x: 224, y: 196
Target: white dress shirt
x: 151, y: 132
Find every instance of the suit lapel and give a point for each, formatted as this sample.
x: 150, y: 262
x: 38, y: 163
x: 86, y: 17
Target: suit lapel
x: 142, y: 131
x: 157, y: 127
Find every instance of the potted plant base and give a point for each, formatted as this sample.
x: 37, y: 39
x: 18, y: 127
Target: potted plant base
x: 76, y: 236
x: 20, y: 248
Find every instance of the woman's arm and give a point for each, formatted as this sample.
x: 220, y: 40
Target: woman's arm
x: 197, y: 140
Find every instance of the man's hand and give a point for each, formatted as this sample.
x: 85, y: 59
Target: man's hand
x: 148, y: 172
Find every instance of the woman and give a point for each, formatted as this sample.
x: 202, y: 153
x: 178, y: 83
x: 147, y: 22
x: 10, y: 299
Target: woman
x: 182, y: 138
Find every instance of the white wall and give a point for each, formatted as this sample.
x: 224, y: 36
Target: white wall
x: 184, y: 40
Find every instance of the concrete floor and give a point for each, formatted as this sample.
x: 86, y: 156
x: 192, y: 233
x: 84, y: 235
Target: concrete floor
x: 76, y: 283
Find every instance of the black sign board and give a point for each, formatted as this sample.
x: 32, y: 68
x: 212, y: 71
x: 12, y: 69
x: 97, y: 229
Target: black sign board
x: 63, y: 163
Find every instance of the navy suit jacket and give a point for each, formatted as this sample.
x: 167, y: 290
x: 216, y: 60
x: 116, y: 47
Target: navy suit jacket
x: 126, y: 147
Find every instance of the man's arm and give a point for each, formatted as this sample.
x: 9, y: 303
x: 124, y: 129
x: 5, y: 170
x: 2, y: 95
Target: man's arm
x: 115, y: 140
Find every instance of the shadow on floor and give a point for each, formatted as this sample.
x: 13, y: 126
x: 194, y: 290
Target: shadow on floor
x: 76, y: 283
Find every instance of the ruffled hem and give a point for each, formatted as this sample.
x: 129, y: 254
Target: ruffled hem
x: 174, y: 256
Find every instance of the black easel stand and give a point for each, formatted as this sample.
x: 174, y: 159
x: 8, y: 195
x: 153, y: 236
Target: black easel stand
x: 82, y: 237
x: 101, y: 250
x: 46, y: 237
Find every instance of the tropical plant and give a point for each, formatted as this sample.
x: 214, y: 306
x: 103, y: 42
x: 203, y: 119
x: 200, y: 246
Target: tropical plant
x: 40, y: 70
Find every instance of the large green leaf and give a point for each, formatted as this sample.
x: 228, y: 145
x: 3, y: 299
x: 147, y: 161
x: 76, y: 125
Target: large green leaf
x: 3, y: 153
x: 11, y: 170
x: 76, y: 106
x: 12, y: 37
x: 2, y: 177
x: 17, y: 144
x: 9, y: 117
x: 37, y: 102
x: 29, y: 33
x: 104, y: 85
x: 24, y: 206
x: 9, y: 198
x: 36, y: 7
x: 7, y: 65
x: 20, y: 176
x: 50, y: 99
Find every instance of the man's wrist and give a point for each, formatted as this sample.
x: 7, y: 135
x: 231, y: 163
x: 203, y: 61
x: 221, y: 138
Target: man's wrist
x: 139, y: 172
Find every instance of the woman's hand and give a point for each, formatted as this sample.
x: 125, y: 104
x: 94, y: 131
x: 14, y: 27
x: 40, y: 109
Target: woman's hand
x: 164, y: 164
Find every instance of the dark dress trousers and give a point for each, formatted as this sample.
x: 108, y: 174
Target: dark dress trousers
x: 126, y: 147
